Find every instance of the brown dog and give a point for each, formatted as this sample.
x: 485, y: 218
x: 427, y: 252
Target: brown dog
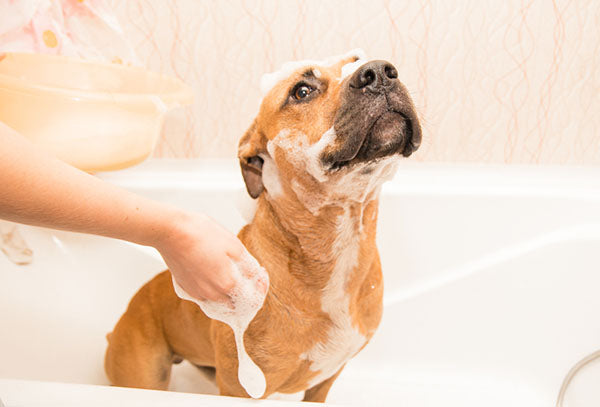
x: 326, y: 137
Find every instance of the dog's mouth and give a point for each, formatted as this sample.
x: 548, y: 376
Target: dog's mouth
x: 389, y: 134
x: 376, y: 119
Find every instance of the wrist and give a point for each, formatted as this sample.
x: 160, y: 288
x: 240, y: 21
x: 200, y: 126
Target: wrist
x: 172, y: 229
x: 154, y: 223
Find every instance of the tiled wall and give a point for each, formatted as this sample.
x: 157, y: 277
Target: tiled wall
x: 494, y: 81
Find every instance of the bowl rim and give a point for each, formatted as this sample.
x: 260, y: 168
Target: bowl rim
x: 180, y: 96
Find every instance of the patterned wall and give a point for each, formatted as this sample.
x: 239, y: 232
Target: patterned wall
x: 514, y: 81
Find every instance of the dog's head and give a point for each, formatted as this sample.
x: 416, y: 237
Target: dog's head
x: 333, y: 126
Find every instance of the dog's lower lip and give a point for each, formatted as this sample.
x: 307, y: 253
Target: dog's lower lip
x: 346, y: 163
x: 338, y: 165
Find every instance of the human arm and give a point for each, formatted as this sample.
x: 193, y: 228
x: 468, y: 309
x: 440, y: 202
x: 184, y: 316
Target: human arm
x: 40, y: 190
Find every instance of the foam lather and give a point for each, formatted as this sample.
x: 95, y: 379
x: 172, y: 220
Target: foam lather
x: 246, y: 299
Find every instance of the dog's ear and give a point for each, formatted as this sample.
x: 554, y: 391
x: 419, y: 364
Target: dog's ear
x: 251, y: 163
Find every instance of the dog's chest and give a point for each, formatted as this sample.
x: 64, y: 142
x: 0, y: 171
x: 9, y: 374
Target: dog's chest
x: 342, y: 343
x: 343, y: 339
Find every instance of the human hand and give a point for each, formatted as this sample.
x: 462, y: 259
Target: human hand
x: 199, y: 253
x: 38, y: 189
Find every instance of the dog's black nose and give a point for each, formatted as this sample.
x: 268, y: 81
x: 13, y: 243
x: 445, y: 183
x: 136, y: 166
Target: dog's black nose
x: 375, y: 76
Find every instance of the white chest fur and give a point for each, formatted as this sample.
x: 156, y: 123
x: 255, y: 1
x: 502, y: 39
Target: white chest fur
x: 343, y: 338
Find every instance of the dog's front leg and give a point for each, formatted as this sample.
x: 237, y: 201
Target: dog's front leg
x: 138, y: 354
x: 319, y: 392
x: 226, y: 361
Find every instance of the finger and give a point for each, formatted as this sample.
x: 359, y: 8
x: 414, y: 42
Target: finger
x: 235, y: 249
x: 219, y: 275
x: 216, y: 296
x: 249, y: 266
x: 262, y: 284
x: 190, y: 289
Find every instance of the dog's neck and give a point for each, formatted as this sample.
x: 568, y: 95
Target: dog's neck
x: 313, y: 246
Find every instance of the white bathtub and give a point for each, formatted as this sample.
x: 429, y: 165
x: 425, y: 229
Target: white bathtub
x: 492, y: 291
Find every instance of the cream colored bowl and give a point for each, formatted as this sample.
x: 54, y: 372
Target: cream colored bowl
x: 95, y: 116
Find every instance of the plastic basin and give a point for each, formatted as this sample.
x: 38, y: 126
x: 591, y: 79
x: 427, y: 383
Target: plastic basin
x: 95, y: 116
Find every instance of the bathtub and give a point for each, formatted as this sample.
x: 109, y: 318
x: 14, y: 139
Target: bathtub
x: 492, y: 291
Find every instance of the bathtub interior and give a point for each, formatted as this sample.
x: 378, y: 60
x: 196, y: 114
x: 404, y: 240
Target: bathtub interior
x: 490, y: 272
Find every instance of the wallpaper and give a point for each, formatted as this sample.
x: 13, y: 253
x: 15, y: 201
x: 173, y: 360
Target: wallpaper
x: 493, y: 81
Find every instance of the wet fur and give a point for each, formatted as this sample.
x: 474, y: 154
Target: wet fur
x: 298, y: 247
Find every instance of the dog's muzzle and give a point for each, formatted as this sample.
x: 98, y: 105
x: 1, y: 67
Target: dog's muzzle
x: 376, y: 118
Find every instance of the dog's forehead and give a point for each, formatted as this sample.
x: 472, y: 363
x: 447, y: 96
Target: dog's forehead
x: 294, y: 69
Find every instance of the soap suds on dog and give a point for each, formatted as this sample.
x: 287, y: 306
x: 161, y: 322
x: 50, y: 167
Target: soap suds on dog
x: 359, y: 183
x: 313, y: 154
x: 269, y: 80
x: 350, y: 68
x: 247, y: 299
x: 270, y: 174
x: 343, y: 339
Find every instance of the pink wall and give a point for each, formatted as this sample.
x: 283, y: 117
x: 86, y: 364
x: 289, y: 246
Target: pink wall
x: 494, y: 81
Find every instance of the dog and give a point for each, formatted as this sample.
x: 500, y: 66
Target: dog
x: 327, y: 135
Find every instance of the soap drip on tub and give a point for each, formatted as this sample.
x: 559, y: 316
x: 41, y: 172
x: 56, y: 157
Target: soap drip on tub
x: 246, y: 300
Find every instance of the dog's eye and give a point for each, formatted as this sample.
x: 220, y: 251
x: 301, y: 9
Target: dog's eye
x: 302, y: 91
